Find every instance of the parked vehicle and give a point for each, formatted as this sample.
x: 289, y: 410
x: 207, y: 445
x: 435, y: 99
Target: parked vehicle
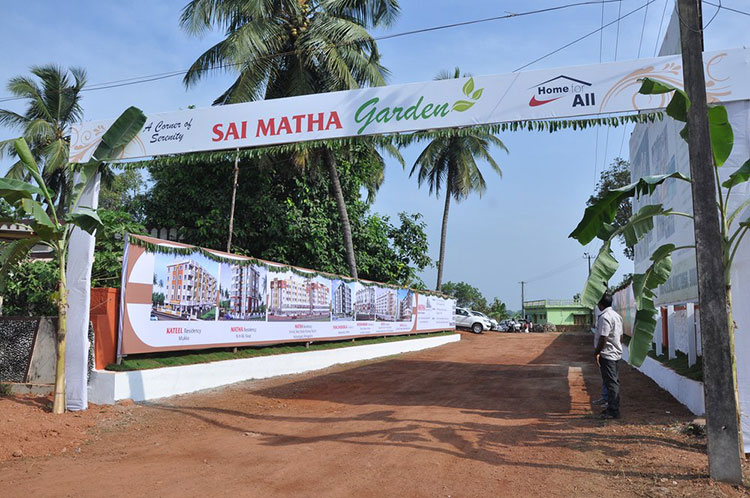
x: 493, y: 323
x: 510, y: 325
x: 473, y: 320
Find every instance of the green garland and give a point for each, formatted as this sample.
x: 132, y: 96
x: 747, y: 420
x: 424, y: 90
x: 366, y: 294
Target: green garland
x: 402, y: 139
x: 271, y: 267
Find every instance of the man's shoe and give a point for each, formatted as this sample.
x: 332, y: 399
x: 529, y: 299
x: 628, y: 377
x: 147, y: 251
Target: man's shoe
x: 610, y: 416
x: 599, y: 402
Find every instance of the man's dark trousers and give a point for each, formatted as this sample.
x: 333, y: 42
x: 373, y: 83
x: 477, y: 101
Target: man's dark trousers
x: 612, y: 383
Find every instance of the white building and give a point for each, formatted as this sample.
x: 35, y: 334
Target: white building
x: 293, y: 296
x: 365, y: 304
x: 247, y: 292
x: 386, y: 304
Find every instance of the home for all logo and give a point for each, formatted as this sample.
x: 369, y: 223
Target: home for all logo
x: 561, y: 87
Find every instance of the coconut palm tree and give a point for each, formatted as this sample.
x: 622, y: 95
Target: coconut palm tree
x: 283, y: 48
x: 449, y: 163
x: 53, y: 104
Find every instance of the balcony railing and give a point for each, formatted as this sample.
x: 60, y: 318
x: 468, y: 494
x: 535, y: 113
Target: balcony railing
x: 551, y: 302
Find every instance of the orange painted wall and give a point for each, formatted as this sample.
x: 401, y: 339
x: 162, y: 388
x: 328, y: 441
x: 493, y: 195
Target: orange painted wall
x: 105, y: 316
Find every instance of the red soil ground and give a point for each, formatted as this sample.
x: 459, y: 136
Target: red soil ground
x: 493, y: 415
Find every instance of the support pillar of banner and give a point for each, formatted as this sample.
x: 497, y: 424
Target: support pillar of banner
x: 78, y: 274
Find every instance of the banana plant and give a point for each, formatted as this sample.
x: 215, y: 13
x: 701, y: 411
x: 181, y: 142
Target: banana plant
x: 30, y: 202
x: 597, y: 218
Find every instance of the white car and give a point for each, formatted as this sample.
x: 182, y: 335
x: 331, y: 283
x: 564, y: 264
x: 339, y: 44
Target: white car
x: 473, y: 320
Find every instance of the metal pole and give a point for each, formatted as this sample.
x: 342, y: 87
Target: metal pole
x: 523, y: 308
x: 724, y: 441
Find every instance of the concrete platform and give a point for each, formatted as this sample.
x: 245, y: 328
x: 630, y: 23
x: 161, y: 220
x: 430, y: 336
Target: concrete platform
x: 107, y: 387
x: 687, y: 391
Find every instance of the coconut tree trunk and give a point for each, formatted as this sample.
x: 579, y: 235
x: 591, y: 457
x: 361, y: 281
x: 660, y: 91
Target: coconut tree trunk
x: 62, y: 330
x: 444, y: 231
x: 346, y: 229
x: 234, y: 196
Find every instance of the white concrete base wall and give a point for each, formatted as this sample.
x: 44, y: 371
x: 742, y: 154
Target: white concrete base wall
x: 107, y: 387
x: 687, y: 391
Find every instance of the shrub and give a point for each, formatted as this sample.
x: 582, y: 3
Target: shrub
x: 30, y: 289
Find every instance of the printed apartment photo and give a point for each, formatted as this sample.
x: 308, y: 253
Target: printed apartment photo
x: 296, y: 298
x: 375, y: 303
x: 405, y: 305
x: 242, y: 292
x: 342, y: 300
x: 184, y: 287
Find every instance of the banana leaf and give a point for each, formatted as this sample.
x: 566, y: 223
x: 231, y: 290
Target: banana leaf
x: 604, y: 267
x: 720, y: 130
x: 604, y: 211
x: 741, y: 175
x: 123, y: 130
x: 644, y: 285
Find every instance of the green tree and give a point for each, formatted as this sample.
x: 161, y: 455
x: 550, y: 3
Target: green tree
x: 615, y: 176
x: 124, y: 192
x: 287, y: 215
x: 30, y: 202
x: 449, y: 162
x: 293, y: 47
x: 53, y: 100
x: 467, y: 296
x: 110, y: 244
x: 498, y: 310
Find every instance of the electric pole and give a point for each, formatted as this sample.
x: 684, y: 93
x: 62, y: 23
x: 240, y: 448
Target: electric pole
x: 724, y: 439
x: 523, y: 308
x: 588, y: 256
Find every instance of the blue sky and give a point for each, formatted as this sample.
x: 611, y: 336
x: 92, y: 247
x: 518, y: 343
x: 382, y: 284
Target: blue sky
x: 518, y: 229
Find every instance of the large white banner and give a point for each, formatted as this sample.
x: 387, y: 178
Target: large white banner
x: 187, y: 300
x: 545, y: 94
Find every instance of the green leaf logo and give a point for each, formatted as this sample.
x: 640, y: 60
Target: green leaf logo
x: 477, y: 94
x: 462, y: 105
x: 469, y: 87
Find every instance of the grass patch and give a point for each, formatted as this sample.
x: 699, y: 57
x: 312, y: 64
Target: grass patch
x: 178, y: 358
x: 5, y: 389
x: 680, y: 364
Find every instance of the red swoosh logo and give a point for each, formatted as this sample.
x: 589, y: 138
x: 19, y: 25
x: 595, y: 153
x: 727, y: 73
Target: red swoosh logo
x: 534, y: 102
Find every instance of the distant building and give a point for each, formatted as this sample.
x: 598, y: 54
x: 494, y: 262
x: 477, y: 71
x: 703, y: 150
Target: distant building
x: 565, y: 312
x: 320, y: 298
x: 292, y: 296
x: 342, y: 300
x: 405, y: 307
x: 246, y: 295
x: 365, y: 304
x: 385, y: 303
x: 191, y: 290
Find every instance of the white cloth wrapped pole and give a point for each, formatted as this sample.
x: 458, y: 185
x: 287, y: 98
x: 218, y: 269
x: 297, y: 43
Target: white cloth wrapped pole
x: 78, y: 272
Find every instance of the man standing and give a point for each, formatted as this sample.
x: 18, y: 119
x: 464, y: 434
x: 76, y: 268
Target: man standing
x: 608, y: 351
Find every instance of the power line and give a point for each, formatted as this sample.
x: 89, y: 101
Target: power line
x: 583, y: 37
x: 617, y: 45
x: 643, y: 29
x: 640, y: 46
x: 658, y: 34
x: 159, y: 76
x: 596, y: 144
x: 617, y: 37
x: 567, y: 266
x: 727, y: 8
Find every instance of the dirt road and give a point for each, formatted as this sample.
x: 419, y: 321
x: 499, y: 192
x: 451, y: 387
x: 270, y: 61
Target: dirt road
x: 493, y: 415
